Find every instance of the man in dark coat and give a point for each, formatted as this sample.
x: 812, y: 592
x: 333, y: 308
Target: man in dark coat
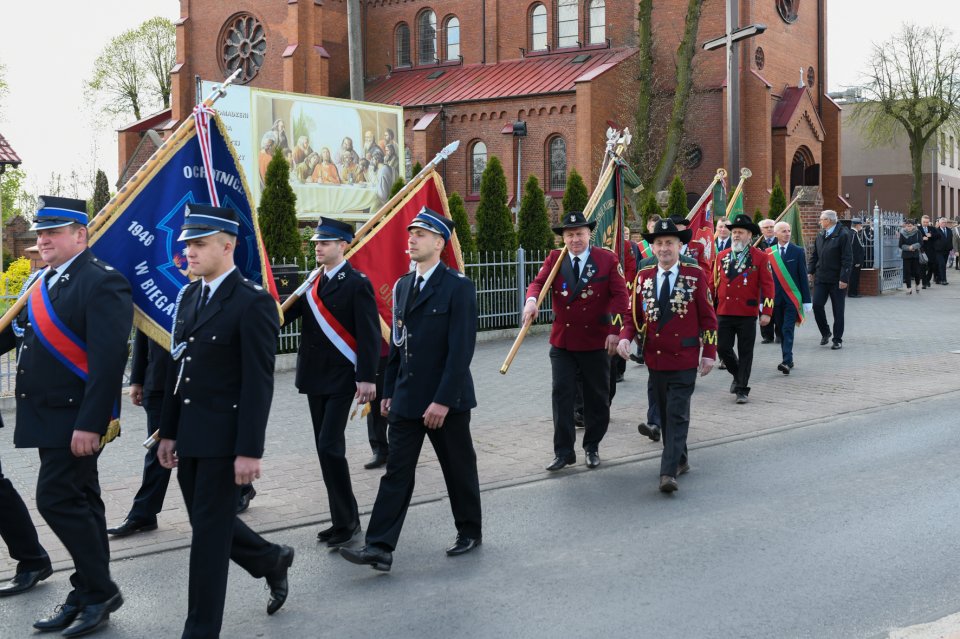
x: 830, y: 266
x: 859, y: 251
x: 72, y: 349
x: 428, y: 391
x: 792, y: 297
x: 216, y: 403
x: 336, y: 364
x: 942, y: 247
x: 928, y: 244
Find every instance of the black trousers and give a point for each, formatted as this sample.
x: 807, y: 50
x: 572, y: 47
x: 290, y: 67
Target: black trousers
x: 153, y: 486
x: 594, y: 369
x: 68, y: 498
x: 376, y: 422
x: 854, y: 288
x: 458, y: 462
x: 653, y: 408
x: 941, y: 273
x: 929, y: 268
x: 618, y: 366
x: 911, y: 270
x: 743, y: 331
x: 211, y: 495
x: 330, y: 414
x: 673, y: 390
x: 17, y: 530
x: 838, y: 298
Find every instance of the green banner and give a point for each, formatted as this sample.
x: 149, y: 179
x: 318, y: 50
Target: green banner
x: 608, y: 231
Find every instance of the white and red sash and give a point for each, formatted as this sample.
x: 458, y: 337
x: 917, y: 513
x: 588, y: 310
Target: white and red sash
x: 334, y: 330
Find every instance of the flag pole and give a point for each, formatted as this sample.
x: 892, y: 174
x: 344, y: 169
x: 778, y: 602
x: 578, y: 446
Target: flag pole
x: 744, y: 174
x: 125, y: 192
x: 370, y: 224
x: 591, y: 205
x: 721, y: 174
x: 780, y: 217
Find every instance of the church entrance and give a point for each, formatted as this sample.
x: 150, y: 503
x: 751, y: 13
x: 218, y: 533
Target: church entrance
x: 803, y: 170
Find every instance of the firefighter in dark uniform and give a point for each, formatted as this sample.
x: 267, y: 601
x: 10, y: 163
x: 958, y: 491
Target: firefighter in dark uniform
x: 428, y: 390
x: 588, y: 293
x: 72, y: 349
x: 672, y: 300
x: 216, y: 402
x: 742, y: 283
x: 336, y: 364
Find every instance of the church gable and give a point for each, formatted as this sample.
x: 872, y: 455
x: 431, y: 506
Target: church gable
x: 797, y: 114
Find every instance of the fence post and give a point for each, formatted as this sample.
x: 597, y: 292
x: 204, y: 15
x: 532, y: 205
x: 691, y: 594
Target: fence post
x: 878, y: 241
x: 521, y: 288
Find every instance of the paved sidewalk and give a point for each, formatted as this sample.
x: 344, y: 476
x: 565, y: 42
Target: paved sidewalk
x: 894, y: 350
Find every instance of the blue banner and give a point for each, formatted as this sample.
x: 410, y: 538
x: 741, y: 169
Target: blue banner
x: 139, y: 236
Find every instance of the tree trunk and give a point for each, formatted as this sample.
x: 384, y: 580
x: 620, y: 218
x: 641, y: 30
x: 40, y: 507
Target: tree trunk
x: 645, y: 92
x: 917, y: 147
x: 688, y: 47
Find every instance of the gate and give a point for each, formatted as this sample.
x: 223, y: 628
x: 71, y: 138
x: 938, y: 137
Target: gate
x: 886, y: 252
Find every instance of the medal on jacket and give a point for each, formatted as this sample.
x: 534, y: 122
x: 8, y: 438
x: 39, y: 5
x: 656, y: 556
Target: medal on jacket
x: 564, y: 291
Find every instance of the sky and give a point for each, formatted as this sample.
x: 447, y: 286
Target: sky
x: 49, y: 49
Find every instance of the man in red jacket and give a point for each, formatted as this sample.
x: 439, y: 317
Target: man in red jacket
x: 588, y: 292
x: 743, y: 286
x: 673, y: 301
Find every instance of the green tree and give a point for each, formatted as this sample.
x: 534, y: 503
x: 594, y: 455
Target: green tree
x: 278, y: 212
x: 11, y: 193
x: 757, y: 216
x: 778, y: 199
x: 14, y: 275
x: 3, y: 87
x: 575, y: 195
x: 912, y: 88
x: 494, y: 222
x: 415, y: 170
x: 459, y: 214
x: 650, y: 208
x: 132, y: 73
x: 397, y: 185
x: 534, y: 233
x: 677, y: 204
x: 101, y: 193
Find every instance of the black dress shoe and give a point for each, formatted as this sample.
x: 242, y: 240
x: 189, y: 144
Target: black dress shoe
x: 325, y: 534
x: 245, y: 499
x: 24, y: 581
x: 376, y: 558
x: 92, y: 617
x: 63, y: 615
x: 668, y: 484
x: 464, y: 545
x: 683, y: 468
x: 783, y: 368
x: 824, y: 339
x: 836, y: 346
x: 578, y: 420
x: 343, y: 537
x: 593, y: 458
x: 766, y: 341
x: 733, y: 387
x: 131, y: 526
x: 277, y: 580
x: 742, y: 398
x: 376, y: 461
x: 559, y: 462
x: 649, y: 430
x: 722, y: 366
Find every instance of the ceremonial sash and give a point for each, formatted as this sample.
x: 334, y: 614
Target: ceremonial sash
x: 334, y: 330
x: 786, y: 282
x: 65, y: 346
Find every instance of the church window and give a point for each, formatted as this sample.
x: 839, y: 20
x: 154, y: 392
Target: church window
x: 478, y: 162
x: 243, y: 46
x: 427, y: 38
x: 452, y: 33
x: 557, y: 163
x: 538, y: 28
x: 811, y: 76
x: 568, y: 23
x: 759, y: 58
x: 598, y: 26
x: 402, y: 45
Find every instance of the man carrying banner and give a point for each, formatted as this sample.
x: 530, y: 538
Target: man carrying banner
x: 743, y: 285
x: 672, y: 300
x: 216, y: 402
x: 337, y: 363
x: 588, y: 293
x: 428, y: 390
x: 792, y: 298
x: 71, y: 351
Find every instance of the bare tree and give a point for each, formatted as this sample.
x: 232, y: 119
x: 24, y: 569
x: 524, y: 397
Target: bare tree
x: 912, y: 88
x: 132, y: 73
x: 3, y: 87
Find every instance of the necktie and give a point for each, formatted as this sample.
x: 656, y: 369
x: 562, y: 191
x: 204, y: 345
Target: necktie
x: 664, y: 300
x: 204, y: 297
x: 49, y: 277
x: 576, y: 270
x: 323, y: 281
x: 415, y: 291
x: 783, y: 252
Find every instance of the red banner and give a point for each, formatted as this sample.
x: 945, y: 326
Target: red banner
x: 381, y: 254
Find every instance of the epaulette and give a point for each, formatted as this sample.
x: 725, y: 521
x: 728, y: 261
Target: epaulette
x: 102, y: 265
x: 648, y: 266
x: 251, y: 284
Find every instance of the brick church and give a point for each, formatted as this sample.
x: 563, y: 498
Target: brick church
x: 469, y: 69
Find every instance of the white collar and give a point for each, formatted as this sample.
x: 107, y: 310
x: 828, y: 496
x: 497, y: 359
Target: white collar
x: 62, y: 269
x: 333, y: 271
x: 583, y: 256
x: 426, y: 276
x: 215, y: 284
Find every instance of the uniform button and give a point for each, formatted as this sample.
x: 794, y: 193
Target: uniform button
x: 214, y: 337
x: 21, y: 371
x: 189, y: 358
x: 25, y: 347
x: 70, y: 400
x: 187, y: 379
x: 186, y: 401
x: 191, y: 340
x: 23, y: 395
x: 657, y: 335
x: 658, y: 352
x: 568, y: 326
x: 234, y: 405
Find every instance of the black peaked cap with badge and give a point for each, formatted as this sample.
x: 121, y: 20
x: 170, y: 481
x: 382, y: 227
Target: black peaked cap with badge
x: 54, y: 212
x: 574, y: 220
x: 331, y: 230
x: 744, y: 221
x: 429, y: 220
x: 201, y: 220
x: 667, y: 228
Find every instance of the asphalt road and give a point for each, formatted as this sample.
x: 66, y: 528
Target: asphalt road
x: 846, y: 528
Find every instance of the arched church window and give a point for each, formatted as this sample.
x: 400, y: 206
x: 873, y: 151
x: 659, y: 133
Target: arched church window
x: 402, y: 45
x: 452, y: 34
x: 427, y: 37
x: 538, y: 28
x: 557, y: 163
x: 598, y: 23
x: 568, y: 23
x: 478, y: 162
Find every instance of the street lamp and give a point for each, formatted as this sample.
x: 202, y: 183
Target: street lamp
x: 869, y: 184
x: 519, y: 132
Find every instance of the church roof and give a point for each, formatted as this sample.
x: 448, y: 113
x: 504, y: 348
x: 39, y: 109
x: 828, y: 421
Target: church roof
x: 533, y: 75
x: 796, y: 102
x: 7, y: 155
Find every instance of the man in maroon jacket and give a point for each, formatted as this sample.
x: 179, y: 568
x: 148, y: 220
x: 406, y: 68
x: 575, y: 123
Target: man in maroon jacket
x: 673, y: 301
x: 588, y: 292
